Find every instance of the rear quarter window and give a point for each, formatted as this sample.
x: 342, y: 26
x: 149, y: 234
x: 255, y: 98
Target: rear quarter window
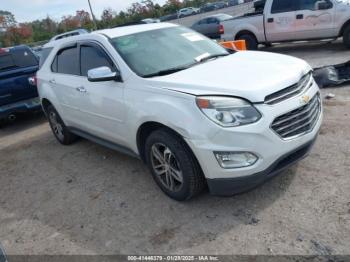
x: 44, y: 55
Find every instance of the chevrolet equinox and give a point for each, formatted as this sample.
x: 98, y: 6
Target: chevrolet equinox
x: 197, y: 114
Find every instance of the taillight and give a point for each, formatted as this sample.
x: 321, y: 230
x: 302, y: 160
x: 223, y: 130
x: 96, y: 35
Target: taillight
x: 4, y: 50
x: 33, y: 80
x: 221, y: 29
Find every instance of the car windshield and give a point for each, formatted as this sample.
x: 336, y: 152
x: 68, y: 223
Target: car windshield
x: 165, y: 51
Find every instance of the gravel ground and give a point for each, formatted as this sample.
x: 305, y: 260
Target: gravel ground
x: 86, y: 199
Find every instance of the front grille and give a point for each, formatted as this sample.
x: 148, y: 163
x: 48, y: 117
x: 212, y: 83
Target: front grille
x: 290, y: 91
x: 299, y: 121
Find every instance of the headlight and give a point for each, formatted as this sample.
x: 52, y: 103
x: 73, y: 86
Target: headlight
x: 228, y: 111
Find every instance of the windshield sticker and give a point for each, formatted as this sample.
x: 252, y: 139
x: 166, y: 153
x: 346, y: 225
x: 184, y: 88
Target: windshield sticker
x: 193, y: 37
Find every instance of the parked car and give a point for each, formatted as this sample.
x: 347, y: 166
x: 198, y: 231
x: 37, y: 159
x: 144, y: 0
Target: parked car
x: 151, y: 20
x: 188, y: 11
x: 18, y: 91
x: 211, y: 26
x: 168, y: 17
x: 290, y: 20
x: 208, y: 7
x: 195, y: 113
x: 69, y: 34
x: 235, y: 2
x: 220, y: 5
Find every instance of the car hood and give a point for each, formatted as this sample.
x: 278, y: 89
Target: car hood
x: 247, y: 74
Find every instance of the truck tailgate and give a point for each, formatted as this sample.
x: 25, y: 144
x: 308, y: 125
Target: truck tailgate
x: 14, y: 85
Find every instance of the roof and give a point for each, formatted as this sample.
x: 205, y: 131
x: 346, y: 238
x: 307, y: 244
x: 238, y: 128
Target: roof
x: 133, y: 29
x: 112, y: 33
x: 77, y: 31
x: 218, y: 15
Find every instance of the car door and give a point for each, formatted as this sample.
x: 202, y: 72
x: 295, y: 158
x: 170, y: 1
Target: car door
x: 280, y: 20
x: 212, y: 29
x: 315, y: 19
x: 101, y: 103
x: 197, y: 26
x: 203, y: 26
x: 64, y: 82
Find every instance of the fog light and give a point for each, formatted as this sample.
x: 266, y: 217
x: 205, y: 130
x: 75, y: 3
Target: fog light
x: 235, y: 159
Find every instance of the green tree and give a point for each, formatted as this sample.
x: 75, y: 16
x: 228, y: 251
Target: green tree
x: 7, y: 19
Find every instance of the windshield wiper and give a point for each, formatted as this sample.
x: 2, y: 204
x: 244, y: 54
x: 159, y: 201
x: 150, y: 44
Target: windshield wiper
x: 170, y: 70
x: 206, y: 58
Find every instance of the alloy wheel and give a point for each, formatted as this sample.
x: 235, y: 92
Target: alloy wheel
x: 56, y: 126
x: 166, y: 167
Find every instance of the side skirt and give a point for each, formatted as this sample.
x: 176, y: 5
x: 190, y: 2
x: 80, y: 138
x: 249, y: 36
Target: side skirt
x: 104, y: 142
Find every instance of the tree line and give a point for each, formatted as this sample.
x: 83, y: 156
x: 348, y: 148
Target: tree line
x: 13, y: 33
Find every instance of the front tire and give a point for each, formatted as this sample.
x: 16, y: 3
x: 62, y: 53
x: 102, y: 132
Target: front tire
x: 173, y: 165
x: 346, y: 37
x: 250, y: 40
x: 59, y: 129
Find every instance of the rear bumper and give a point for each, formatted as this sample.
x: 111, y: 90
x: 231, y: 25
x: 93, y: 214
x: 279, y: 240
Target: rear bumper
x: 233, y: 186
x: 32, y: 104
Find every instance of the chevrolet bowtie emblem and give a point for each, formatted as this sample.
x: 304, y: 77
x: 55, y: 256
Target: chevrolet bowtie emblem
x: 305, y: 99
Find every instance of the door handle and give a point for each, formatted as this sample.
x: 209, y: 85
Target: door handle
x: 300, y: 16
x: 81, y: 89
x: 270, y: 20
x: 52, y: 81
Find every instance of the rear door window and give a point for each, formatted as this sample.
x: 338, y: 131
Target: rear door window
x: 92, y: 57
x: 67, y: 61
x: 283, y: 6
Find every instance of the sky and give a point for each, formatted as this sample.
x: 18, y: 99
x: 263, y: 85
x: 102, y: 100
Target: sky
x: 29, y: 10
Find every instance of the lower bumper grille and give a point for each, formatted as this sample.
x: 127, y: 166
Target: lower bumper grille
x: 299, y: 121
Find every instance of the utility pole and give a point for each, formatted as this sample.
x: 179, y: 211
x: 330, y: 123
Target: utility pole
x: 93, y: 17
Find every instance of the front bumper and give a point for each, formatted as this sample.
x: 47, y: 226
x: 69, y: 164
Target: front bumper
x: 233, y: 186
x: 32, y: 104
x: 274, y: 153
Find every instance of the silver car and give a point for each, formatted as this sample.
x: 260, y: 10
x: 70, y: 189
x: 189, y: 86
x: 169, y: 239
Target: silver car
x: 211, y: 26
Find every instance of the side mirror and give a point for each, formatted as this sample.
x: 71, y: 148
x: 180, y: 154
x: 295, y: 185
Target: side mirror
x: 324, y: 5
x: 101, y: 74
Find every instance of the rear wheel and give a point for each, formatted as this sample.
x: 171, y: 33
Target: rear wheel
x: 173, y: 165
x: 250, y: 40
x: 61, y: 132
x: 346, y: 37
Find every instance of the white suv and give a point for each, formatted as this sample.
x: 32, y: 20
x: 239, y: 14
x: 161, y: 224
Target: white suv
x: 187, y: 12
x: 195, y: 113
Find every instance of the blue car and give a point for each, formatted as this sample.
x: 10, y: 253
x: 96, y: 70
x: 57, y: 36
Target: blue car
x: 18, y: 91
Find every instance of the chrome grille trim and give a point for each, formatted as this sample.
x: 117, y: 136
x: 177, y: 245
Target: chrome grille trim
x: 299, y: 121
x: 304, y: 84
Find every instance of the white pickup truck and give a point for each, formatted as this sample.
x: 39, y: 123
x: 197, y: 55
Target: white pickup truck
x: 291, y: 20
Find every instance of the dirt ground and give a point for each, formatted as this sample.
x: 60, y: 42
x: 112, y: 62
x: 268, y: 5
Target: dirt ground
x: 86, y: 199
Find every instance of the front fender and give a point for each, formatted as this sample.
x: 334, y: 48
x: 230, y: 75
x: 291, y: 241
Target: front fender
x: 172, y: 109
